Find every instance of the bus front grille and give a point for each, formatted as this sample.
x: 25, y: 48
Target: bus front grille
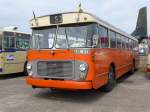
x: 55, y: 69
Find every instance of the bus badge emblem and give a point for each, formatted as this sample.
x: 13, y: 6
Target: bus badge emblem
x: 52, y: 52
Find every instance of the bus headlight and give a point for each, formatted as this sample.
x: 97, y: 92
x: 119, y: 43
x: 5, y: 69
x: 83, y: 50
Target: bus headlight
x: 29, y: 66
x: 83, y: 67
x: 29, y: 69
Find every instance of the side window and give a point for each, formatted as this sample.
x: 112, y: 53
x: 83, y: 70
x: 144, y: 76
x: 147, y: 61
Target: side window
x: 135, y: 46
x: 22, y: 41
x: 112, y: 39
x: 103, y: 37
x: 131, y: 44
x: 9, y: 42
x: 118, y: 36
x: 123, y: 42
x: 127, y: 43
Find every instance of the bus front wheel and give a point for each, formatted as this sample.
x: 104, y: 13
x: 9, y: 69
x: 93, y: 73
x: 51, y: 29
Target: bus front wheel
x: 111, y: 80
x: 25, y: 69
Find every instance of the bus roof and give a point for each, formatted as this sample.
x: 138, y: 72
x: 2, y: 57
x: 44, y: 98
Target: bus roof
x: 72, y: 18
x: 14, y: 31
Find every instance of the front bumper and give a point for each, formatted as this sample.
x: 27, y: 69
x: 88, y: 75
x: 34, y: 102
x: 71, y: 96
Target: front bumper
x: 58, y: 84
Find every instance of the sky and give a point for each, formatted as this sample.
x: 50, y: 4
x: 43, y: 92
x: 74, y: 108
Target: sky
x: 120, y: 13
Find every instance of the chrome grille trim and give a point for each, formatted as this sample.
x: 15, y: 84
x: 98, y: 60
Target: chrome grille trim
x: 55, y: 69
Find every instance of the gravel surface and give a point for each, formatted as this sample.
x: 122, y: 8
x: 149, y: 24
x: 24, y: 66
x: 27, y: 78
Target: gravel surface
x: 132, y: 94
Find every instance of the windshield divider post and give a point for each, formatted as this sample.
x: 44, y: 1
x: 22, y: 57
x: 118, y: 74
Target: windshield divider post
x: 55, y: 37
x: 67, y: 39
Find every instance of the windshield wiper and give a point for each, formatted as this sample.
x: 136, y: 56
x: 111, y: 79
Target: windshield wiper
x: 67, y: 39
x: 55, y: 42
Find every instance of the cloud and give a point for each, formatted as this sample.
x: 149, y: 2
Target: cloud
x: 120, y: 13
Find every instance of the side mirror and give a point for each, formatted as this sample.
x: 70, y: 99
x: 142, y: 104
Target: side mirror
x: 95, y: 40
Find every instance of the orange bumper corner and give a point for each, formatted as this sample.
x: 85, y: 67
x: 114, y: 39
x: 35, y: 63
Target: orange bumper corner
x: 73, y: 85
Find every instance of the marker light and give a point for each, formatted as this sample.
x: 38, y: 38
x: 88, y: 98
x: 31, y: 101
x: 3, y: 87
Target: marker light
x: 82, y: 76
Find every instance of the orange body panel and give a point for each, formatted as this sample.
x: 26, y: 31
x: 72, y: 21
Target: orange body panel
x: 99, y: 61
x: 59, y: 84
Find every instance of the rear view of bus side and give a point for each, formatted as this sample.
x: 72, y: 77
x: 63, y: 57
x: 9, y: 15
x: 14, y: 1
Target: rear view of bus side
x: 13, y: 46
x: 78, y: 51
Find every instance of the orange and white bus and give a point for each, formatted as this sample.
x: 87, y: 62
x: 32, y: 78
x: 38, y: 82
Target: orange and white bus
x: 78, y: 51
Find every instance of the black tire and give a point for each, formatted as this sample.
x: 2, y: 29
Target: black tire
x: 25, y: 69
x: 111, y: 81
x: 133, y: 68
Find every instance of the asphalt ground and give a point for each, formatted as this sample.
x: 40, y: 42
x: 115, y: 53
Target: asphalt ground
x: 132, y: 94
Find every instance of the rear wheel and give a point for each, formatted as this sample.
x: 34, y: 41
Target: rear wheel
x: 111, y: 80
x: 133, y: 68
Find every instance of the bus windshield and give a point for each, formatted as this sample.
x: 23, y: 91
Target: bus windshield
x: 72, y: 36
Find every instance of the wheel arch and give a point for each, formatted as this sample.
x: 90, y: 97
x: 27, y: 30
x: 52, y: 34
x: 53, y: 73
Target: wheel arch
x: 25, y: 70
x: 112, y: 64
